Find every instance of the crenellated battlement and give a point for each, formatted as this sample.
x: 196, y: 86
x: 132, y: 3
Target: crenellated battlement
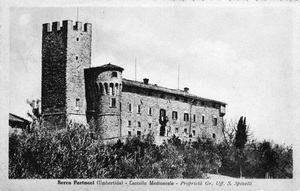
x: 67, y: 25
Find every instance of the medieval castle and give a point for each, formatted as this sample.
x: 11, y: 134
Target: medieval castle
x: 73, y: 90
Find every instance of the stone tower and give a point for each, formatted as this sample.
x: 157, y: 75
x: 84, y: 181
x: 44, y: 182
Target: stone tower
x: 103, y: 95
x: 66, y: 52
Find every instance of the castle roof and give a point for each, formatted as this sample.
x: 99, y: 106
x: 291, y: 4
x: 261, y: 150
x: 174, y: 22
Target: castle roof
x: 133, y: 83
x: 110, y: 66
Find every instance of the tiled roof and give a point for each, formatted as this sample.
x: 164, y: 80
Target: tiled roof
x: 109, y: 66
x: 127, y: 82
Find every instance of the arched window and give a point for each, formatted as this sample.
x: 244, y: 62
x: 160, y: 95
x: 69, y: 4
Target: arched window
x: 106, y: 88
x: 120, y: 87
x: 101, y: 89
x: 117, y: 88
x: 111, y: 89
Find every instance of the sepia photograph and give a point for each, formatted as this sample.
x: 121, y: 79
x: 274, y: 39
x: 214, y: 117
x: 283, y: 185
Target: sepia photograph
x: 162, y: 94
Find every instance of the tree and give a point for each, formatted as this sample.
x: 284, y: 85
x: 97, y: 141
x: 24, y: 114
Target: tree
x: 241, y: 137
x: 35, y: 114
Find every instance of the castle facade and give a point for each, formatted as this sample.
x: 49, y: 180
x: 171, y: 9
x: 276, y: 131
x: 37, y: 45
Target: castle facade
x: 72, y: 90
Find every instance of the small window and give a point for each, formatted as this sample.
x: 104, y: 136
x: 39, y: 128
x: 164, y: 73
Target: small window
x: 76, y: 57
x: 129, y: 133
x: 214, y: 135
x: 112, y: 102
x: 149, y: 125
x: 114, y: 74
x: 203, y: 119
x: 194, y: 132
x: 149, y: 111
x: 215, y: 121
x: 185, y: 130
x: 139, y: 109
x: 139, y: 124
x: 77, y: 102
x: 129, y: 123
x: 77, y: 39
x: 138, y: 133
x: 186, y: 117
x: 129, y: 107
x: 194, y: 118
x: 174, y: 115
x: 176, y: 130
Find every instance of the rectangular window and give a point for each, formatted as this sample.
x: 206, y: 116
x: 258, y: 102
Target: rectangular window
x: 203, y: 120
x: 186, y: 117
x: 174, y: 115
x: 194, y: 118
x: 149, y: 125
x: 114, y: 74
x: 77, y: 104
x: 194, y: 132
x: 139, y: 124
x: 112, y: 102
x: 129, y: 123
x: 215, y: 121
x: 129, y: 107
x: 138, y: 133
x: 129, y: 133
x: 139, y: 109
x: 149, y: 111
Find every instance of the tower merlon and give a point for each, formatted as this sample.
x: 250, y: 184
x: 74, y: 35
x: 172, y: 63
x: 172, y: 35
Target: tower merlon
x: 67, y: 25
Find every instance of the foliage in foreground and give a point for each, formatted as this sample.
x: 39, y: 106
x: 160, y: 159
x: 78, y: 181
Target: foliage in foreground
x: 76, y: 153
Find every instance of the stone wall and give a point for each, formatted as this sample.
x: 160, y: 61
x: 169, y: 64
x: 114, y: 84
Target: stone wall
x: 169, y: 106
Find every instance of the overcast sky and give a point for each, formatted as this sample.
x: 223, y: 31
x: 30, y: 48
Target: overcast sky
x: 242, y: 56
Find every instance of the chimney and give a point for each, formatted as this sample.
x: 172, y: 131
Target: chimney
x: 186, y: 89
x: 146, y: 80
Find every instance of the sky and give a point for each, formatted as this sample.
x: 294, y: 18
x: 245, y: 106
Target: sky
x: 239, y: 55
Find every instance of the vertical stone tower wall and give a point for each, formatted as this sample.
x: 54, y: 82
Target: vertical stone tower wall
x: 104, y: 88
x: 66, y: 52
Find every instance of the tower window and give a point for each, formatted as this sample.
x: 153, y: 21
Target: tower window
x: 174, y: 115
x: 112, y: 102
x: 139, y: 109
x: 203, y: 119
x: 215, y: 121
x: 114, y: 74
x: 186, y: 117
x: 194, y: 132
x: 214, y: 135
x: 77, y: 39
x: 176, y: 130
x: 139, y: 124
x: 129, y: 123
x: 129, y: 107
x: 149, y: 125
x: 76, y: 57
x: 77, y: 104
x: 185, y: 130
x: 129, y: 133
x: 149, y: 111
x: 194, y: 118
